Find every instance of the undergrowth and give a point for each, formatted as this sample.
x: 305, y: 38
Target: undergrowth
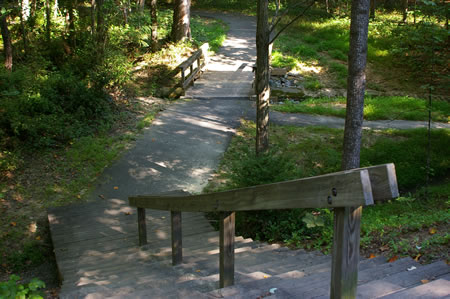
x: 303, y: 152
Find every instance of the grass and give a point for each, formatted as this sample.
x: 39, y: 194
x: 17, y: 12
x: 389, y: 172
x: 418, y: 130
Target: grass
x: 392, y: 52
x: 34, y: 179
x: 375, y: 108
x: 303, y: 152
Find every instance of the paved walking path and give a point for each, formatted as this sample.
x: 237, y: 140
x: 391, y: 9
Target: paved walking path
x: 96, y: 244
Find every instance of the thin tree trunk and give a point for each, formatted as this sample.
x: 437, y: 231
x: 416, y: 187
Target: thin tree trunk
x: 141, y: 5
x: 72, y: 39
x: 101, y: 30
x: 405, y: 11
x: 372, y: 9
x: 154, y: 15
x: 347, y: 220
x: 262, y: 88
x: 48, y: 20
x: 93, y: 5
x: 7, y: 44
x: 25, y: 13
x: 181, y: 28
x: 33, y: 8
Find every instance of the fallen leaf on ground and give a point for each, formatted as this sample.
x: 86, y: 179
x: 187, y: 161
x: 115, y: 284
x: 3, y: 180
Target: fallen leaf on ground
x: 265, y: 276
x: 393, y: 259
x: 78, y: 196
x: 13, y: 224
x: 38, y: 238
x: 424, y: 281
x: 101, y: 196
x: 116, y: 188
x: 127, y: 213
x: 432, y: 230
x: 372, y: 256
x: 197, y: 270
x: 417, y: 257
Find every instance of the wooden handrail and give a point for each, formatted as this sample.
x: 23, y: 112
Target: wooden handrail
x: 201, y: 57
x: 352, y: 188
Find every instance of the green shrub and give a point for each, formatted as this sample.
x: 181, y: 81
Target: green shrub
x: 12, y: 290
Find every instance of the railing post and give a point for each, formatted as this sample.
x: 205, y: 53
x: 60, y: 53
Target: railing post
x: 177, y: 241
x: 344, y: 269
x: 142, y: 227
x: 227, y: 248
x: 183, y: 77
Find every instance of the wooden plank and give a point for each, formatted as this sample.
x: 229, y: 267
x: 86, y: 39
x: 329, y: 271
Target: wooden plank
x: 341, y: 189
x: 384, y: 181
x: 439, y: 288
x: 190, y: 77
x: 188, y: 62
x: 227, y: 248
x: 142, y: 226
x: 344, y: 267
x: 177, y: 238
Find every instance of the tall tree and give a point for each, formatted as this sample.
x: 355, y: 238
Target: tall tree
x: 6, y: 36
x: 372, y: 9
x: 93, y: 10
x: 405, y: 11
x: 24, y: 15
x: 181, y: 28
x: 347, y: 220
x: 101, y: 29
x: 48, y: 15
x: 141, y: 4
x: 265, y: 36
x: 262, y: 87
x: 154, y: 15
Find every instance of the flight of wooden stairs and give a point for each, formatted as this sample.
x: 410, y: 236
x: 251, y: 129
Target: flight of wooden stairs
x: 98, y: 257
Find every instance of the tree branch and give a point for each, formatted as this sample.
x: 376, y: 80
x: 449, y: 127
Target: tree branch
x: 279, y: 18
x: 276, y: 13
x: 289, y: 24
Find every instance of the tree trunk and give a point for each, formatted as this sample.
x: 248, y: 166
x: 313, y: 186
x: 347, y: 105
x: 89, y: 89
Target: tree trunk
x: 72, y: 39
x: 153, y: 6
x: 141, y: 5
x: 101, y: 30
x: 48, y: 15
x: 262, y: 88
x: 93, y: 5
x: 372, y: 9
x: 24, y: 15
x: 347, y: 220
x: 7, y: 44
x: 405, y: 11
x: 181, y: 28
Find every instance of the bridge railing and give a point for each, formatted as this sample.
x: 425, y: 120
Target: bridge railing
x: 193, y: 65
x: 342, y: 191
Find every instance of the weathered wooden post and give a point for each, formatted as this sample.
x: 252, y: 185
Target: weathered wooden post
x: 142, y: 226
x: 227, y: 230
x: 177, y: 240
x: 344, y: 269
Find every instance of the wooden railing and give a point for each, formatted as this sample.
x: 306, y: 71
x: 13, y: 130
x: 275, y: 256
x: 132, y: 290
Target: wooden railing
x: 194, y: 64
x: 353, y: 188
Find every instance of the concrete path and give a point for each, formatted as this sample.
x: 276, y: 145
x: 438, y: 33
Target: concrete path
x: 229, y: 73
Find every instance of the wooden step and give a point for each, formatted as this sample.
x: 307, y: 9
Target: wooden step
x: 402, y: 280
x: 439, y: 288
x: 297, y: 287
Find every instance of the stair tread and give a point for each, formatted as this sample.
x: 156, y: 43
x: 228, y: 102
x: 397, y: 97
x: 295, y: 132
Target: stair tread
x: 315, y: 281
x: 434, y: 289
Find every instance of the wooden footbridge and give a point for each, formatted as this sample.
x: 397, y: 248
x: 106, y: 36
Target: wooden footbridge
x: 163, y: 247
